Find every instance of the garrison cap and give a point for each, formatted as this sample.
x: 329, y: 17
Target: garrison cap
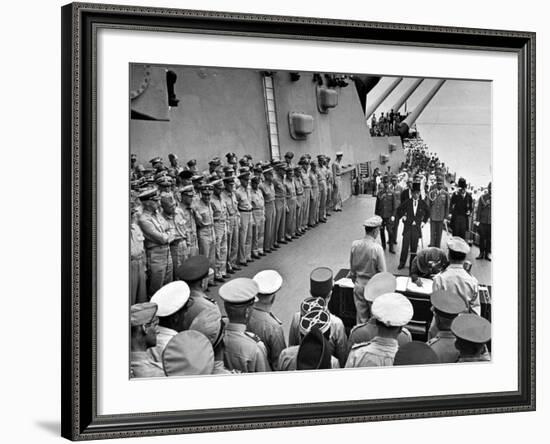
x: 448, y: 302
x: 186, y: 174
x: 319, y: 318
x: 380, y: 283
x: 141, y: 314
x: 171, y: 298
x: 188, y: 190
x: 314, y: 351
x: 194, y: 268
x: 188, y: 353
x: 209, y: 323
x: 472, y: 328
x: 320, y: 282
x: 239, y: 291
x: 415, y: 353
x: 155, y: 160
x: 392, y: 310
x: 312, y: 303
x: 456, y: 243
x: 373, y: 222
x: 269, y: 282
x: 149, y: 194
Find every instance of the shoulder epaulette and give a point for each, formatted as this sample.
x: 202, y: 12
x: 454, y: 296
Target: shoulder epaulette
x: 433, y: 340
x: 356, y: 327
x: 252, y: 336
x: 359, y: 345
x: 276, y: 318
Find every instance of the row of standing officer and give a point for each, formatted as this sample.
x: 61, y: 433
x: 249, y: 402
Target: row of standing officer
x: 229, y: 224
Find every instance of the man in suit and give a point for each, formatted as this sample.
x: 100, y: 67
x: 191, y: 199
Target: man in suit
x: 415, y: 214
x: 406, y: 194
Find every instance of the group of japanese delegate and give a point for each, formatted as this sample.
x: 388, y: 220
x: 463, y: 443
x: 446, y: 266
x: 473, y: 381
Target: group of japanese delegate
x: 190, y: 230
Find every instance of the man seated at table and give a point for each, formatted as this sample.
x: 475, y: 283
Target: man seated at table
x: 428, y: 263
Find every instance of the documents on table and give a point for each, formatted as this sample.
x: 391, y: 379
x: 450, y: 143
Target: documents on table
x: 405, y: 284
x: 345, y: 283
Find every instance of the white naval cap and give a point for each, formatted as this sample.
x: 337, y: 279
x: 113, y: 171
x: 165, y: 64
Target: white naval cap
x: 458, y: 244
x: 379, y: 284
x: 269, y: 281
x: 239, y: 291
x: 373, y: 222
x: 392, y: 310
x: 339, y: 153
x: 171, y: 298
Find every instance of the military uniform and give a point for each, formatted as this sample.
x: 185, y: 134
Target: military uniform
x: 138, y: 267
x: 337, y: 339
x: 460, y: 282
x: 268, y: 191
x: 330, y: 188
x: 439, y: 202
x: 307, y: 197
x: 280, y: 210
x: 258, y: 221
x: 314, y: 199
x: 244, y: 351
x: 157, y: 246
x: 322, y: 180
x: 366, y: 259
x: 472, y: 330
x: 245, y: 229
x: 379, y: 352
x: 289, y: 357
x: 367, y: 331
x: 142, y: 366
x: 443, y: 344
x: 221, y: 217
x: 204, y: 217
x: 337, y: 191
x: 298, y: 184
x: 483, y: 216
x: 198, y: 301
x: 178, y: 247
x: 269, y: 329
x: 461, y: 206
x: 188, y: 214
x: 164, y: 335
x: 233, y: 222
x: 386, y: 208
x: 291, y: 205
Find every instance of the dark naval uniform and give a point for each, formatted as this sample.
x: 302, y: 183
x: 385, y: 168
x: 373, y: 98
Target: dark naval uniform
x: 443, y: 344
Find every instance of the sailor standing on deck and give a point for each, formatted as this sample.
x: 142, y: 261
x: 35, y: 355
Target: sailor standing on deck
x: 366, y: 259
x: 337, y: 173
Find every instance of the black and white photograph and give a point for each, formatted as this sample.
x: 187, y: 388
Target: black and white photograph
x: 294, y: 220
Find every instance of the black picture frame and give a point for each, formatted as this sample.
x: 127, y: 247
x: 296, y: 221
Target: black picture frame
x: 80, y: 22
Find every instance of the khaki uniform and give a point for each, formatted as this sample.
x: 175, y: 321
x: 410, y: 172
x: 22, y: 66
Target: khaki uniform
x: 233, y: 223
x: 307, y: 198
x: 159, y: 260
x: 178, y: 247
x: 197, y: 302
x: 191, y: 230
x: 204, y: 216
x: 380, y: 352
x: 367, y: 332
x: 138, y: 266
x: 314, y: 199
x: 270, y: 330
x: 298, y: 184
x: 330, y: 181
x: 244, y: 351
x: 163, y: 337
x: 142, y: 366
x: 245, y: 230
x: 288, y: 359
x: 220, y: 229
x: 322, y: 180
x: 268, y: 191
x: 385, y: 208
x: 258, y: 220
x: 337, y: 191
x: 439, y: 201
x: 443, y: 344
x: 280, y: 209
x: 337, y: 340
x: 366, y: 259
x: 291, y: 204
